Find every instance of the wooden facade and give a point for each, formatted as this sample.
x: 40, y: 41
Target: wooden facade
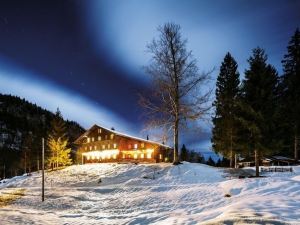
x: 99, y: 144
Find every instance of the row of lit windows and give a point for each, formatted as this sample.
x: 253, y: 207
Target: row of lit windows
x: 138, y: 156
x: 135, y: 146
x: 92, y: 139
x: 99, y: 157
x: 103, y: 147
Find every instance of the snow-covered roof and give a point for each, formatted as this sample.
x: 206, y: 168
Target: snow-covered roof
x: 119, y: 134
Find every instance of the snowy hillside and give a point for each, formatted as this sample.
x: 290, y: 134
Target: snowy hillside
x: 128, y: 194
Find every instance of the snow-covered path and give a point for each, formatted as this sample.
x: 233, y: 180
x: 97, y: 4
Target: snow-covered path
x: 185, y: 194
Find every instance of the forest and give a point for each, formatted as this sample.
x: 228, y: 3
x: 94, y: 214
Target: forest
x: 259, y: 115
x: 22, y: 127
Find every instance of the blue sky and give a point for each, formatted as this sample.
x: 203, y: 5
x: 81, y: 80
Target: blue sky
x: 86, y: 57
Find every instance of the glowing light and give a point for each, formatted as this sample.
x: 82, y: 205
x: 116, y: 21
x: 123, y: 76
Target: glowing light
x: 102, y: 154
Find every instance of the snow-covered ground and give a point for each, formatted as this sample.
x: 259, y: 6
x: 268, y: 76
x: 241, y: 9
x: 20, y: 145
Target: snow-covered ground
x: 128, y: 194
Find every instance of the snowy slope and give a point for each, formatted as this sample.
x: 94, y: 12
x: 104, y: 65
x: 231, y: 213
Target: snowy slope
x: 128, y: 194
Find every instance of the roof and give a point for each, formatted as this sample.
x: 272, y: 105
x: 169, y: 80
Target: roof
x: 119, y: 134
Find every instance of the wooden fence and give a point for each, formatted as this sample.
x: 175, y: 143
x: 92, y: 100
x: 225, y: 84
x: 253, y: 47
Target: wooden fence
x: 277, y: 169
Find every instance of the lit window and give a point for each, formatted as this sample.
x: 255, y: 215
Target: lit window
x: 99, y: 131
x: 88, y: 140
x: 160, y: 156
x: 93, y: 157
x: 103, y: 146
x: 123, y: 156
x: 114, y: 156
x: 93, y: 139
x: 88, y: 157
x: 112, y: 136
x: 142, y: 156
x: 135, y: 156
x: 109, y: 156
x: 129, y: 146
x: 108, y: 146
x: 143, y: 145
x: 99, y: 138
x: 85, y: 148
x: 148, y: 155
x: 135, y: 146
x: 95, y: 147
x: 115, y: 145
x: 90, y: 147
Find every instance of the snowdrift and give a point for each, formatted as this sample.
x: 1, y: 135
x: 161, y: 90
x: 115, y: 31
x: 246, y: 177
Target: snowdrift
x: 153, y: 194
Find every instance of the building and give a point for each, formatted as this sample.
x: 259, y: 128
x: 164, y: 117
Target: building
x: 99, y: 144
x: 277, y: 161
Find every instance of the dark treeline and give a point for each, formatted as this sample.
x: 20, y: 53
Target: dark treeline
x: 22, y: 126
x: 196, y: 157
x: 260, y: 115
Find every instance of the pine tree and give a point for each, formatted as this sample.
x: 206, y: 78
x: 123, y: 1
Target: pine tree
x: 210, y: 162
x: 62, y: 153
x: 58, y: 142
x: 184, y: 153
x: 225, y: 128
x: 260, y: 96
x: 291, y: 91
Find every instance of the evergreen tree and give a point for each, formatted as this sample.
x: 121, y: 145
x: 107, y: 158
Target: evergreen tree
x: 291, y: 92
x: 210, y: 162
x: 260, y: 96
x: 61, y: 152
x: 224, y: 133
x: 58, y: 126
x: 184, y: 153
x: 58, y: 142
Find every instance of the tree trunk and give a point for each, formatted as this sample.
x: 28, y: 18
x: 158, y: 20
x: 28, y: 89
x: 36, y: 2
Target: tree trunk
x: 25, y: 163
x: 176, y: 159
x: 235, y: 161
x: 256, y: 163
x: 231, y: 159
x: 296, y: 154
x: 231, y: 152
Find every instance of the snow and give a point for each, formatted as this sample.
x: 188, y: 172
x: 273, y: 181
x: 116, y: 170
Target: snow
x: 127, y: 194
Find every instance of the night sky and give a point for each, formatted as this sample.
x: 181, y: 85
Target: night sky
x: 86, y: 57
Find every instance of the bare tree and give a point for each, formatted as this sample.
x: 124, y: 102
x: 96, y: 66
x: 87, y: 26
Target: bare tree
x: 178, y: 94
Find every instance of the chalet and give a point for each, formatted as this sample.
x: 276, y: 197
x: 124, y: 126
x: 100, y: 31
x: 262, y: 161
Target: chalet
x: 99, y: 144
x: 277, y: 161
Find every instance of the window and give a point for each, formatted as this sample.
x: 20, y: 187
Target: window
x: 114, y: 156
x: 88, y: 140
x: 142, y: 156
x: 112, y: 136
x: 95, y: 147
x: 90, y: 147
x: 142, y: 145
x: 124, y: 156
x: 99, y: 138
x: 135, y: 146
x: 135, y: 156
x: 93, y: 139
x: 103, y: 146
x: 85, y: 148
x: 105, y: 137
x: 115, y: 145
x: 129, y: 146
x: 99, y: 131
x: 148, y: 155
x: 108, y: 146
x: 160, y: 156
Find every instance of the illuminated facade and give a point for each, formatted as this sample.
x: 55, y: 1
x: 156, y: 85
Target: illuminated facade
x: 99, y: 144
